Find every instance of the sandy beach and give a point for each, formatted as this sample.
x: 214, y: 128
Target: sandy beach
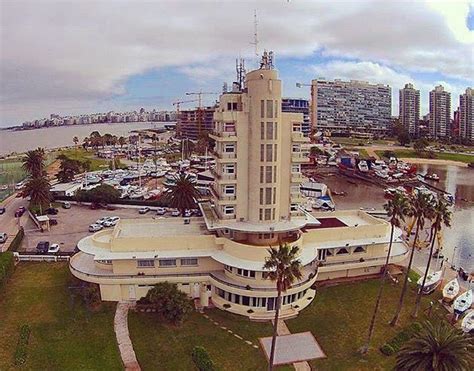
x: 433, y: 161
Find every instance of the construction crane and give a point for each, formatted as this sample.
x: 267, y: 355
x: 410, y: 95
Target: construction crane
x: 200, y: 93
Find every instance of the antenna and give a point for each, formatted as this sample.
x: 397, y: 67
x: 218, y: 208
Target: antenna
x: 255, y: 33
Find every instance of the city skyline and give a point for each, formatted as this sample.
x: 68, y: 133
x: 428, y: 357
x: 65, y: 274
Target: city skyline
x: 73, y: 59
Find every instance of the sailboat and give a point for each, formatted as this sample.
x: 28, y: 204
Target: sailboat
x: 451, y: 290
x: 431, y: 283
x: 467, y: 323
x: 463, y: 302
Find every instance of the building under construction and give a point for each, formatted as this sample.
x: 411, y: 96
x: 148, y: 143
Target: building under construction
x: 194, y: 122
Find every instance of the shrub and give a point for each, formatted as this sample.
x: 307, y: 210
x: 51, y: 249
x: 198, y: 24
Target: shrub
x: 102, y: 194
x: 226, y: 305
x: 7, y: 265
x: 387, y: 349
x: 16, y: 243
x: 201, y: 359
x: 22, y: 345
x: 393, y: 345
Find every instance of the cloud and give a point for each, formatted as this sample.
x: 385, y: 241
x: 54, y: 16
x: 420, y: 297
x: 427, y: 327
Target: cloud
x: 65, y: 55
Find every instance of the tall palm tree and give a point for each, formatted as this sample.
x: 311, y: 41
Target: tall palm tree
x: 420, y: 208
x: 182, y: 194
x: 442, y: 216
x: 284, y: 268
x: 33, y: 162
x: 438, y: 346
x: 38, y: 189
x: 396, y: 209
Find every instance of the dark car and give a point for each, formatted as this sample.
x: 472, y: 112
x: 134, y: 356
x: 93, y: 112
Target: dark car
x: 20, y: 211
x: 52, y: 211
x: 2, y: 210
x: 42, y: 247
x: 53, y: 221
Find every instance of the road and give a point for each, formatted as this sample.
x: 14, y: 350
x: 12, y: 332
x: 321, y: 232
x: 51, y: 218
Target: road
x: 8, y: 222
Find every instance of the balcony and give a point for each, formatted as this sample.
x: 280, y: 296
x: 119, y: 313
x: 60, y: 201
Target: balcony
x: 297, y: 136
x: 224, y: 155
x: 223, y: 176
x: 297, y: 178
x: 224, y: 135
x: 221, y: 196
x: 299, y: 157
x: 296, y: 197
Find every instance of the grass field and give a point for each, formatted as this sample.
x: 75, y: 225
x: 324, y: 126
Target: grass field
x: 410, y: 153
x: 64, y: 336
x: 362, y: 152
x: 82, y: 155
x: 356, y: 141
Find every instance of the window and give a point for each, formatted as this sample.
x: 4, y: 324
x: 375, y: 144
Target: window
x: 276, y: 109
x: 245, y: 273
x: 269, y: 130
x: 359, y: 249
x: 228, y: 209
x: 275, y: 153
x: 296, y: 168
x: 262, y: 152
x: 234, y: 106
x: 189, y: 261
x: 229, y: 126
x: 229, y: 148
x: 295, y: 148
x: 296, y: 128
x: 276, y: 130
x: 268, y: 214
x: 269, y: 109
x: 262, y: 109
x: 262, y: 169
x: 274, y: 174
x: 262, y: 130
x: 229, y: 189
x: 245, y: 300
x: 229, y: 106
x: 294, y: 207
x: 228, y: 268
x: 342, y: 251
x: 268, y: 196
x: 269, y: 152
x: 274, y: 195
x: 229, y: 169
x: 167, y: 262
x: 145, y: 263
x: 104, y: 261
x: 261, y: 196
x: 268, y: 174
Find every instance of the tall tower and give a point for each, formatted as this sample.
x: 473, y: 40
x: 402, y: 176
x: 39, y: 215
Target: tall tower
x: 409, y: 109
x: 466, y: 115
x: 440, y: 112
x: 259, y: 151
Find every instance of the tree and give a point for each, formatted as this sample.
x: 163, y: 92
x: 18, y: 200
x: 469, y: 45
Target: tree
x: 102, y: 194
x: 122, y: 141
x: 442, y: 216
x: 420, y: 208
x: 171, y: 303
x: 33, y: 163
x: 396, y: 209
x: 420, y: 145
x: 284, y: 268
x: 75, y: 140
x: 437, y: 346
x: 68, y: 169
x: 38, y: 189
x: 85, y: 143
x: 182, y: 194
x: 403, y: 137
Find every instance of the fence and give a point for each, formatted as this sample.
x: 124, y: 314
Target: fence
x: 40, y: 258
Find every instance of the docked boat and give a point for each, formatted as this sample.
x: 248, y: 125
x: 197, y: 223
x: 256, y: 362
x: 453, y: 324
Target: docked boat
x: 463, y: 302
x: 467, y: 324
x: 451, y: 290
x: 433, y: 176
x: 363, y: 167
x: 432, y: 282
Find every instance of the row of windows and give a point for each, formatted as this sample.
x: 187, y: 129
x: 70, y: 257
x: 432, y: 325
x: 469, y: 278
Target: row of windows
x: 268, y: 174
x: 323, y: 253
x: 268, y: 152
x: 267, y: 196
x: 269, y: 131
x: 163, y: 263
x: 258, y: 302
x: 270, y: 108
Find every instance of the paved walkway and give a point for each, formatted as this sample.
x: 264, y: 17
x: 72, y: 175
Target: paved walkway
x: 284, y: 330
x: 123, y: 337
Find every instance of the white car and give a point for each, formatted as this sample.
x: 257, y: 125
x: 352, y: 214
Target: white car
x: 175, y: 212
x: 3, y: 237
x: 53, y: 248
x: 187, y: 213
x: 112, y: 221
x: 102, y: 220
x: 144, y: 210
x: 160, y: 211
x: 95, y: 227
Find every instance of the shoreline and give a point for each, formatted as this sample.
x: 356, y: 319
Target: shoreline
x: 433, y: 161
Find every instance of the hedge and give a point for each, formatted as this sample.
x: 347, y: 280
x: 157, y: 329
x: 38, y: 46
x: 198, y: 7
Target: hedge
x: 7, y: 265
x: 201, y: 359
x: 393, y: 345
x: 22, y: 345
x: 16, y: 243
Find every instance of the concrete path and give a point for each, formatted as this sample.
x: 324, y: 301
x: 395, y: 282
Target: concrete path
x: 123, y: 337
x: 284, y: 330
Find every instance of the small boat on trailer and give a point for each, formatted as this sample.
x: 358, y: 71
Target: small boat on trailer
x: 462, y: 303
x: 467, y: 323
x: 451, y: 290
x: 432, y: 282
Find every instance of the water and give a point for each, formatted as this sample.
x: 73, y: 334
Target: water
x: 61, y: 136
x: 459, y: 181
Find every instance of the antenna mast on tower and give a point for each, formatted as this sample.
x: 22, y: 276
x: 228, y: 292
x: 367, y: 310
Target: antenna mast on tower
x: 255, y: 33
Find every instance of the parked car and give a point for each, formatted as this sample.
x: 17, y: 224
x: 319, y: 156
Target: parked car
x: 144, y: 210
x: 111, y: 221
x: 95, y: 227
x: 66, y: 205
x: 20, y: 211
x: 161, y: 211
x: 3, y: 237
x: 187, y: 213
x: 42, y: 247
x: 53, y: 221
x: 53, y: 248
x: 52, y: 211
x: 198, y: 212
x: 2, y: 210
x: 175, y: 212
x: 102, y: 220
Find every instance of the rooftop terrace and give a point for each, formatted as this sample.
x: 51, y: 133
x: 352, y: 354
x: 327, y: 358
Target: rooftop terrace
x: 132, y: 228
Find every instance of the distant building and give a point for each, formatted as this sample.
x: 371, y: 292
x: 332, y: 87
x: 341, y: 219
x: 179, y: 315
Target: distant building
x: 350, y: 106
x: 440, y: 112
x: 298, y: 105
x: 409, y: 109
x: 466, y: 114
x: 193, y: 122
x: 455, y: 133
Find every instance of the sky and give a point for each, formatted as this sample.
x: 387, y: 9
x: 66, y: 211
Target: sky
x: 88, y: 56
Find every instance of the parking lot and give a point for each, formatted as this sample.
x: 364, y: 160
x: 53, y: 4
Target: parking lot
x: 73, y: 224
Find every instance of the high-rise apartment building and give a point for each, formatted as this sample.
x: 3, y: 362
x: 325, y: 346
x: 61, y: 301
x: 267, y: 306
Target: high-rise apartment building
x: 194, y: 122
x: 440, y: 112
x: 466, y: 115
x: 409, y: 109
x: 298, y: 105
x: 350, y: 106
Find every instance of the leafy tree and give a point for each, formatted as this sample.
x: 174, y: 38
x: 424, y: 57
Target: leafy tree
x: 182, y: 194
x: 442, y: 216
x: 420, y: 145
x: 122, y: 141
x: 33, y: 163
x: 102, y: 194
x: 420, y: 208
x: 284, y: 268
x: 171, y: 303
x: 39, y: 190
x: 68, y: 169
x: 437, y: 346
x: 396, y: 209
x: 403, y: 137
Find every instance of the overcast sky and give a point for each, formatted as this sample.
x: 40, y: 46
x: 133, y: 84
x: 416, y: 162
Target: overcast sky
x: 95, y: 56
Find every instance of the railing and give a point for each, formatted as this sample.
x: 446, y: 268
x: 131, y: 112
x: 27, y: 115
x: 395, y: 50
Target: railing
x: 223, y: 134
x: 364, y: 260
x: 299, y: 156
x: 224, y: 155
x: 41, y: 258
x: 223, y: 176
x: 221, y: 196
x: 296, y: 177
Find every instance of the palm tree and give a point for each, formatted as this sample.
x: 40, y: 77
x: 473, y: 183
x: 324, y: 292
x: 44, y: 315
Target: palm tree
x: 122, y: 141
x: 420, y: 208
x: 33, y: 163
x: 75, y: 140
x: 182, y: 194
x: 396, y: 209
x: 38, y: 189
x: 442, y: 216
x: 437, y: 346
x: 284, y: 268
x: 85, y: 143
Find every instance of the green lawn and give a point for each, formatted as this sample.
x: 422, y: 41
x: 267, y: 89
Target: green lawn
x: 356, y: 141
x: 362, y: 151
x: 339, y: 318
x: 64, y: 336
x: 82, y: 155
x: 410, y: 153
